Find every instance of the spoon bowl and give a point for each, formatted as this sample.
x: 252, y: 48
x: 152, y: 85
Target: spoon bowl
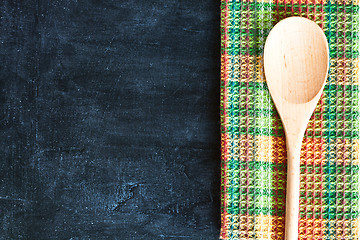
x: 296, y: 60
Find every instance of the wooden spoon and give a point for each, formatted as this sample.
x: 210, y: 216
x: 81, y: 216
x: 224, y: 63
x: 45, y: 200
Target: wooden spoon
x: 296, y: 57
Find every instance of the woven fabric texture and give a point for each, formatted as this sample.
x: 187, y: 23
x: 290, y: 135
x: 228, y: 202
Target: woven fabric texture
x: 253, y: 151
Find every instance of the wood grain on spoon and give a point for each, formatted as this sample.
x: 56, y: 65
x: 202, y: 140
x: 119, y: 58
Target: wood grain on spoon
x: 296, y: 57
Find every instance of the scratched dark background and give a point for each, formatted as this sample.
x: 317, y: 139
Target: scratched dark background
x: 109, y: 125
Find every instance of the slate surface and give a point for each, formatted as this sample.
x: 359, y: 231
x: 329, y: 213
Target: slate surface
x: 109, y: 125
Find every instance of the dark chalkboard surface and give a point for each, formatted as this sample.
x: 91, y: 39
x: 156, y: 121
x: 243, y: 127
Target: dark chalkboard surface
x: 109, y: 119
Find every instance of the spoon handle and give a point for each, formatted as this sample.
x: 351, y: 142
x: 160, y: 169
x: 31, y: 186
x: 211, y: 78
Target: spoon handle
x: 293, y: 144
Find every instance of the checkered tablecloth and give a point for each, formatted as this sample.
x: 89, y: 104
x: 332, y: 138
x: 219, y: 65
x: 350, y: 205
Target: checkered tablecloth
x: 253, y: 156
